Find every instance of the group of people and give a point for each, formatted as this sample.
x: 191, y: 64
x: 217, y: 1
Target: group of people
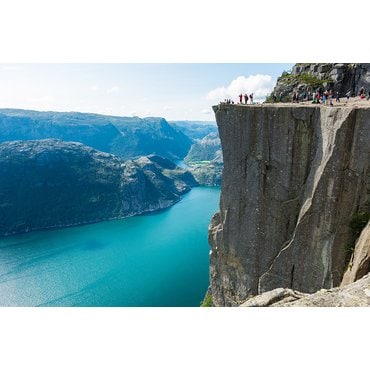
x: 241, y: 96
x: 321, y: 97
x: 246, y: 98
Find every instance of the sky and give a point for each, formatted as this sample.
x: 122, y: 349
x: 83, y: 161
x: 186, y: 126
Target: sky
x: 175, y: 91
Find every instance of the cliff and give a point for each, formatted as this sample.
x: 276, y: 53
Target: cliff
x: 293, y: 176
x: 50, y: 183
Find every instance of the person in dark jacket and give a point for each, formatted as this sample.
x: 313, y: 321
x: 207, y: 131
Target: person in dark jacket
x: 246, y: 98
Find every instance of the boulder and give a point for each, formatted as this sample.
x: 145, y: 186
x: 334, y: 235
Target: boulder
x: 356, y: 294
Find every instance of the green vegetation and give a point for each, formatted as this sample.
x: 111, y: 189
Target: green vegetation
x: 358, y: 221
x: 311, y: 80
x: 207, y: 302
x: 199, y: 163
x: 305, y: 78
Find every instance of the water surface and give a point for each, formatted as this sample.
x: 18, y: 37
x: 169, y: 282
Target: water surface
x: 157, y: 259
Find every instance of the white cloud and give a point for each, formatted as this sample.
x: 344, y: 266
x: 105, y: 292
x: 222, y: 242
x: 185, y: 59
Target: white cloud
x: 166, y: 108
x: 11, y: 68
x: 94, y: 87
x: 41, y: 99
x: 259, y: 85
x: 206, y: 111
x: 113, y: 90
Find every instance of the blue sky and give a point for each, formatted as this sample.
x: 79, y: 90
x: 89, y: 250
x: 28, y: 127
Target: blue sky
x: 174, y: 91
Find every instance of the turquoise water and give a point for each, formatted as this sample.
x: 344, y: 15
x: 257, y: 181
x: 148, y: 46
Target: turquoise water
x: 157, y: 259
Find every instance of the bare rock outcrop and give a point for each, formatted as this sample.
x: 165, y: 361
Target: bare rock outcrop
x: 306, y: 78
x: 356, y: 294
x: 360, y: 261
x: 293, y: 176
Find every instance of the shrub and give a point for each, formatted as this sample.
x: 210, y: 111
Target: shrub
x: 207, y: 302
x: 358, y: 222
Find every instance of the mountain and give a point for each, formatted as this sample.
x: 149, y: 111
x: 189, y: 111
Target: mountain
x: 126, y: 137
x: 206, y: 149
x: 49, y: 183
x: 195, y: 129
x: 205, y: 161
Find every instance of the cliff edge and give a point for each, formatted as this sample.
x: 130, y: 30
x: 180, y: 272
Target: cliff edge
x: 293, y: 176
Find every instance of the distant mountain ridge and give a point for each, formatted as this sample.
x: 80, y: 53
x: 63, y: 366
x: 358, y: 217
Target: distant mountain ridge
x: 195, y: 129
x: 51, y: 184
x: 126, y: 137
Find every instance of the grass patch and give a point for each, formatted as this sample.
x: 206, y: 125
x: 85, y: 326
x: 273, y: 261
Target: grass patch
x: 207, y: 302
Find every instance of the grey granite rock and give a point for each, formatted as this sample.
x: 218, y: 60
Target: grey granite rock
x: 360, y: 261
x: 356, y: 294
x: 293, y: 176
x: 310, y: 77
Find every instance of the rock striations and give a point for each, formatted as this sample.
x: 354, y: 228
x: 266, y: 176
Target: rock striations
x: 293, y: 176
x: 50, y: 183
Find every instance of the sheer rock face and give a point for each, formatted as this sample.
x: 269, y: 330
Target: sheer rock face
x: 360, y: 261
x: 50, y: 183
x: 356, y: 294
x: 293, y: 175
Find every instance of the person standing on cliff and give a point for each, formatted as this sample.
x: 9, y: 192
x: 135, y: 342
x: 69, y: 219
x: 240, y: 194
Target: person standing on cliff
x: 281, y: 97
x: 251, y: 98
x: 348, y: 94
x: 294, y: 97
x: 246, y: 98
x: 241, y: 98
x: 337, y: 100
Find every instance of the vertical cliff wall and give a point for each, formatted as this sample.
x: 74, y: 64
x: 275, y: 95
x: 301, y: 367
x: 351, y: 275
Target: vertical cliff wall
x: 293, y: 176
